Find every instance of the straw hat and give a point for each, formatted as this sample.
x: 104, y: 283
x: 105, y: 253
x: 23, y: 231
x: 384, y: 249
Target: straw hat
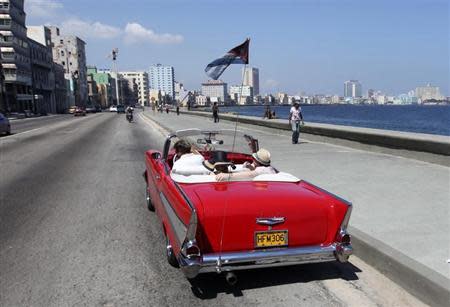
x: 262, y: 156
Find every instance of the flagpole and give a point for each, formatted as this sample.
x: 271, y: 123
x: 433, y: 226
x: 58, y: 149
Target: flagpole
x: 219, y: 261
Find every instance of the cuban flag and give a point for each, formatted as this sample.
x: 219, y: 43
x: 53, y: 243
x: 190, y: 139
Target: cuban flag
x: 237, y: 55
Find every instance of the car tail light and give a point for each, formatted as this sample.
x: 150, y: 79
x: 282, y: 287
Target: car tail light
x: 344, y: 238
x: 190, y: 249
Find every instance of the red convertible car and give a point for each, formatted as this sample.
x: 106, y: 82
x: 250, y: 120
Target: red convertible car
x: 269, y: 220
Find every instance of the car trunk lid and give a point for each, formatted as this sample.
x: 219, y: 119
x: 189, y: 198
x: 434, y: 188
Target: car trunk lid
x: 234, y: 212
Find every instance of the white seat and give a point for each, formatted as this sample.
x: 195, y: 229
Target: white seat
x: 190, y: 164
x: 280, y: 177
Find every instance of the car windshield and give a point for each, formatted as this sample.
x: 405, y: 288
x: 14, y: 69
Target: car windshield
x: 220, y: 140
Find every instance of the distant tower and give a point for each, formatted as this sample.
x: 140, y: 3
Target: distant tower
x: 162, y: 78
x: 251, y: 78
x: 114, y: 54
x: 352, y: 88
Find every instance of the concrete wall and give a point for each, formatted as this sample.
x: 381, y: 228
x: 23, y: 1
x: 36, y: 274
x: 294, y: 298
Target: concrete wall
x: 436, y: 144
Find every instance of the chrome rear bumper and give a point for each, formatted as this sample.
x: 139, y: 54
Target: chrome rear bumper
x: 232, y: 261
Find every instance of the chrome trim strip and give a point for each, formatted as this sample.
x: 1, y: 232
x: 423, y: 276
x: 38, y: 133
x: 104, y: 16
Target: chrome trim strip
x: 193, y: 221
x: 176, y: 223
x: 231, y: 261
x: 270, y: 220
x: 329, y: 193
x: 346, y: 219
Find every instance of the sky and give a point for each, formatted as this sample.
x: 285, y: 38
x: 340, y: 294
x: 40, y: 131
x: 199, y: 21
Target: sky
x: 309, y: 46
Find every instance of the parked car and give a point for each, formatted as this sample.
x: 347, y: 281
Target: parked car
x: 5, y: 125
x: 90, y: 109
x: 120, y: 108
x: 71, y: 109
x: 270, y: 220
x: 113, y: 109
x: 80, y: 111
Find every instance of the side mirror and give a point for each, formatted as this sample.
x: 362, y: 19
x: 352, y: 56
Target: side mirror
x: 156, y: 155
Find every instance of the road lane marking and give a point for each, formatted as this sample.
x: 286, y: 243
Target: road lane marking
x: 154, y: 125
x: 23, y: 132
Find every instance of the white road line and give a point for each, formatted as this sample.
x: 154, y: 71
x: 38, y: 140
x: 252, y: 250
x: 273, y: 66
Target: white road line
x: 15, y: 134
x: 154, y: 125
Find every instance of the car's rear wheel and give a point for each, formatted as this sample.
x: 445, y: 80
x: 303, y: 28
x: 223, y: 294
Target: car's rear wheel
x: 8, y: 130
x: 170, y: 254
x: 149, y: 200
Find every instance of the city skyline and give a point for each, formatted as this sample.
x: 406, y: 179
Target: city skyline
x: 305, y: 46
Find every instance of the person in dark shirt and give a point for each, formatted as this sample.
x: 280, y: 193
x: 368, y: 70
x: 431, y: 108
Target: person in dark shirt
x: 215, y: 110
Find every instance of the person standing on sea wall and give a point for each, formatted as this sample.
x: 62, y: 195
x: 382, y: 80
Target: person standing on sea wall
x: 295, y: 116
x: 215, y: 110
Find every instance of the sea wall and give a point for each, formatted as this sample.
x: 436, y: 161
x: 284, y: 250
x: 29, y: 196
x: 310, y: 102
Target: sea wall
x: 431, y: 143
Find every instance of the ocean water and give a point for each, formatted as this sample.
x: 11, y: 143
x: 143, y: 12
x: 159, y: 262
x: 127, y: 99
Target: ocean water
x: 431, y: 119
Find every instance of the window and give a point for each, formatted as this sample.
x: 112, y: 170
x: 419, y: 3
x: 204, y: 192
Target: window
x: 62, y: 52
x: 61, y: 41
x: 63, y: 63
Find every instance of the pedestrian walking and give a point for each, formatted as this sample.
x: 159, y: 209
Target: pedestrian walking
x: 295, y: 117
x: 178, y: 110
x: 215, y: 110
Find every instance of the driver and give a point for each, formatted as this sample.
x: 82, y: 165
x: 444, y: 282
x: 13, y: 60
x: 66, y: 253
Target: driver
x: 259, y: 166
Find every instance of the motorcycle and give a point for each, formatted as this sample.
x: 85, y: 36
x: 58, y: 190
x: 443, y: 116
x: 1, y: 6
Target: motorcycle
x: 129, y: 117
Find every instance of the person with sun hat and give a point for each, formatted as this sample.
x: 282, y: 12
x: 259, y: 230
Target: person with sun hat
x: 259, y: 166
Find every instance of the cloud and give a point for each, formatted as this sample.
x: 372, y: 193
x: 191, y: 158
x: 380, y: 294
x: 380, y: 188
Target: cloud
x: 42, y: 8
x: 86, y: 29
x: 136, y: 33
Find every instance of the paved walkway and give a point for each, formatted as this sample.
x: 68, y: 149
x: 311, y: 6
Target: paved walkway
x: 401, y: 202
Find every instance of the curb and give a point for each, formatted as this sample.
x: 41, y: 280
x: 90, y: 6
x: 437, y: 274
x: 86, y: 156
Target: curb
x: 427, y: 285
x: 403, y: 140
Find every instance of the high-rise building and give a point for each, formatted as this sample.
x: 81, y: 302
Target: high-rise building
x: 162, y: 78
x: 140, y: 78
x: 352, y: 88
x: 15, y: 53
x: 428, y: 92
x: 215, y: 90
x: 251, y: 78
x: 69, y: 51
x: 49, y: 98
x: 241, y: 94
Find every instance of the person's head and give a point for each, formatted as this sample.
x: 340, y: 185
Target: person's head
x: 262, y: 157
x: 182, y: 147
x: 296, y: 105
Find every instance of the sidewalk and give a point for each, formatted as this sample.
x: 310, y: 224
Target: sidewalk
x: 401, y: 206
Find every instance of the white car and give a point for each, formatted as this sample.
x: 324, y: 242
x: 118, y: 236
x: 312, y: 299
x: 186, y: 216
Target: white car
x: 5, y: 126
x: 113, y: 109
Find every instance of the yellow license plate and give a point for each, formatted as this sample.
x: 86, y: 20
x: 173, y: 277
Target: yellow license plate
x: 271, y: 238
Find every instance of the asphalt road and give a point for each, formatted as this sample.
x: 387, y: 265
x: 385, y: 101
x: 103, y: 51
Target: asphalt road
x: 74, y: 231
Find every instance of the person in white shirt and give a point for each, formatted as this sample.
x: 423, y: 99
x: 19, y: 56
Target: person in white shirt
x: 295, y: 116
x: 259, y: 166
x: 186, y: 162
